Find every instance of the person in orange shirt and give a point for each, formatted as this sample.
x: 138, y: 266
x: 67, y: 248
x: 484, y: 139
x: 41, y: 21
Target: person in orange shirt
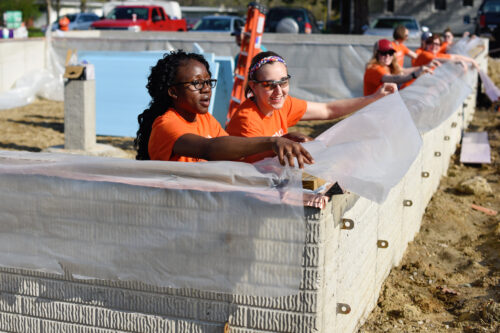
x: 448, y: 40
x: 400, y: 35
x: 269, y: 110
x: 64, y: 23
x: 431, y: 52
x: 177, y: 126
x: 383, y: 67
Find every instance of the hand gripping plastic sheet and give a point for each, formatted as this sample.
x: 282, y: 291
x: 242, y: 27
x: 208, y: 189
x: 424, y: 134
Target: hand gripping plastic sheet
x: 219, y: 226
x: 369, y: 152
x: 490, y: 89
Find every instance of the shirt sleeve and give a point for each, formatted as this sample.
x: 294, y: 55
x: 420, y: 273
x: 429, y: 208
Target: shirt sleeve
x: 166, y: 131
x: 296, y: 110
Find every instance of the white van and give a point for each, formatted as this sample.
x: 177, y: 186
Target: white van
x: 172, y: 8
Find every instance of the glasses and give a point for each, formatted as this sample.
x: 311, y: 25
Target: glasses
x: 384, y: 53
x: 448, y: 36
x: 436, y: 44
x: 198, y: 85
x: 271, y: 85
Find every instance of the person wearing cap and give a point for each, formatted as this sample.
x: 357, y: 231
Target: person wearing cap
x: 383, y: 68
x: 400, y: 36
x: 64, y: 23
x: 423, y: 38
x: 431, y: 53
x: 269, y: 110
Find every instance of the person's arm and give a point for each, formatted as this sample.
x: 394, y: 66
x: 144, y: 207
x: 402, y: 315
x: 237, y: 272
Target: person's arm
x: 408, y: 74
x: 234, y: 148
x: 412, y: 54
x: 342, y: 107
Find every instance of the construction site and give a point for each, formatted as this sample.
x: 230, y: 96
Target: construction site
x: 392, y: 229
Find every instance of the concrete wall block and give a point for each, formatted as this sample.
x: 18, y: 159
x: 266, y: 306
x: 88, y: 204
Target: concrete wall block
x: 79, y: 114
x: 305, y: 301
x: 15, y: 323
x: 280, y: 321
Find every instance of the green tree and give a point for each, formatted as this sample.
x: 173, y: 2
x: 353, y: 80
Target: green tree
x: 29, y: 9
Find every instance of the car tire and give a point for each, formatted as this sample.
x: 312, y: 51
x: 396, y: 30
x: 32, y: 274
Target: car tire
x: 287, y: 26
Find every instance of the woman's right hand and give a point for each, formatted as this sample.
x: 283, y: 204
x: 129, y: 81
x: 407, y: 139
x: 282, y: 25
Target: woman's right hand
x: 287, y: 150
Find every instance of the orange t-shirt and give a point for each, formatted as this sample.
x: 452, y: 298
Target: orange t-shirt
x: 170, y: 126
x: 443, y: 48
x: 417, y: 51
x: 250, y: 122
x: 401, y: 51
x: 373, y: 78
x: 425, y: 57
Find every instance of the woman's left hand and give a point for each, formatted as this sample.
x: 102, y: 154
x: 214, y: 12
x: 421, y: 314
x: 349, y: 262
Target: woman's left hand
x: 386, y: 89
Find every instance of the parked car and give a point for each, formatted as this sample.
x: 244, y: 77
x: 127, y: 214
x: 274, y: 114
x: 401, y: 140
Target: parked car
x: 220, y: 23
x: 79, y: 21
x: 488, y: 18
x: 384, y: 26
x: 304, y: 19
x: 139, y: 18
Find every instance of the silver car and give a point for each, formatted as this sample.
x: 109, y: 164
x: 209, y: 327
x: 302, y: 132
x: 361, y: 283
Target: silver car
x: 79, y: 21
x: 384, y: 26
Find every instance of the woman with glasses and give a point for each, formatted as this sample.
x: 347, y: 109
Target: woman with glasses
x: 448, y: 40
x: 177, y: 126
x: 269, y: 110
x: 432, y: 52
x: 383, y: 67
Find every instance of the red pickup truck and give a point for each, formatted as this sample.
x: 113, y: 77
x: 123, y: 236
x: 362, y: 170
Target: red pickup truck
x: 139, y: 18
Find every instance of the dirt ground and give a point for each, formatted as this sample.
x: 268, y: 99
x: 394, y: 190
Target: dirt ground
x: 448, y: 280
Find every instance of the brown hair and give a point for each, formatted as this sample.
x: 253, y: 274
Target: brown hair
x: 399, y: 33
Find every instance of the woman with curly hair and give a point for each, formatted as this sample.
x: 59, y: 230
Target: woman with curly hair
x: 178, y: 127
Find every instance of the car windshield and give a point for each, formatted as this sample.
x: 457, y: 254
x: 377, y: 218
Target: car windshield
x: 277, y: 15
x: 71, y: 17
x: 125, y: 13
x: 492, y: 7
x: 391, y: 23
x: 215, y: 24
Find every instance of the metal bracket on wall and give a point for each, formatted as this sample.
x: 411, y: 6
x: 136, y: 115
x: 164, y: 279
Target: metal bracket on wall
x: 347, y: 224
x: 407, y: 203
x: 343, y: 308
x: 382, y: 244
x: 425, y: 174
x: 446, y: 138
x: 437, y: 153
x: 453, y: 124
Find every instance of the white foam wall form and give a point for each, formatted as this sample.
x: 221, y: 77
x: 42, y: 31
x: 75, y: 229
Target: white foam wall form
x: 339, y: 267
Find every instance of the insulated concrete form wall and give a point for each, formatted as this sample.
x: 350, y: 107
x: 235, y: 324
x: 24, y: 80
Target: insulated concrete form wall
x: 18, y: 57
x: 343, y: 269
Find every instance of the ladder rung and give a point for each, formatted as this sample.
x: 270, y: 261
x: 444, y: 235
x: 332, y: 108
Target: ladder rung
x: 243, y: 53
x: 234, y: 99
x: 238, y: 76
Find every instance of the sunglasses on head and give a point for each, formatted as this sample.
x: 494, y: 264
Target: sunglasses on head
x: 390, y: 52
x: 271, y: 84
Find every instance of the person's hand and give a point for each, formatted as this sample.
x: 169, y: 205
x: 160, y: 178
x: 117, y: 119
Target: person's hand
x: 288, y: 150
x: 426, y: 69
x: 297, y: 137
x: 435, y: 63
x: 386, y: 89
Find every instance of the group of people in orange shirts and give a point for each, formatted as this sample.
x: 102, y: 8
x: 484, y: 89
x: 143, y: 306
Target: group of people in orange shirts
x: 386, y: 64
x: 178, y: 127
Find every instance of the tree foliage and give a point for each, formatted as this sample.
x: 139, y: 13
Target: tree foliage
x: 28, y: 7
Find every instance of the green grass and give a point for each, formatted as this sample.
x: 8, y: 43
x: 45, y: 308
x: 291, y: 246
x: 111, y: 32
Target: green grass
x: 34, y: 32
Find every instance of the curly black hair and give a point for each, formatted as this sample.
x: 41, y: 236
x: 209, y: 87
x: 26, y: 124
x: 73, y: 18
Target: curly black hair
x: 258, y: 57
x: 163, y: 75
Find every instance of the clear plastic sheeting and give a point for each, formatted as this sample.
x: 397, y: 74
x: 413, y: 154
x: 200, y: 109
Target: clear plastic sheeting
x: 220, y: 226
x: 35, y: 83
x: 369, y: 152
x: 490, y: 89
x: 433, y: 98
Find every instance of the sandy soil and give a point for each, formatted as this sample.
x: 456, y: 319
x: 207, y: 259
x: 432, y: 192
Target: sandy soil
x: 448, y: 280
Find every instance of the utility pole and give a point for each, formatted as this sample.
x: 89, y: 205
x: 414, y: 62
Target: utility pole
x: 83, y: 6
x: 49, y: 11
x: 361, y: 17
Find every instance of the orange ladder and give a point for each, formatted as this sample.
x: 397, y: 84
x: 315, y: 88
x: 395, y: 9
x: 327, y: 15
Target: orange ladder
x: 250, y: 46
